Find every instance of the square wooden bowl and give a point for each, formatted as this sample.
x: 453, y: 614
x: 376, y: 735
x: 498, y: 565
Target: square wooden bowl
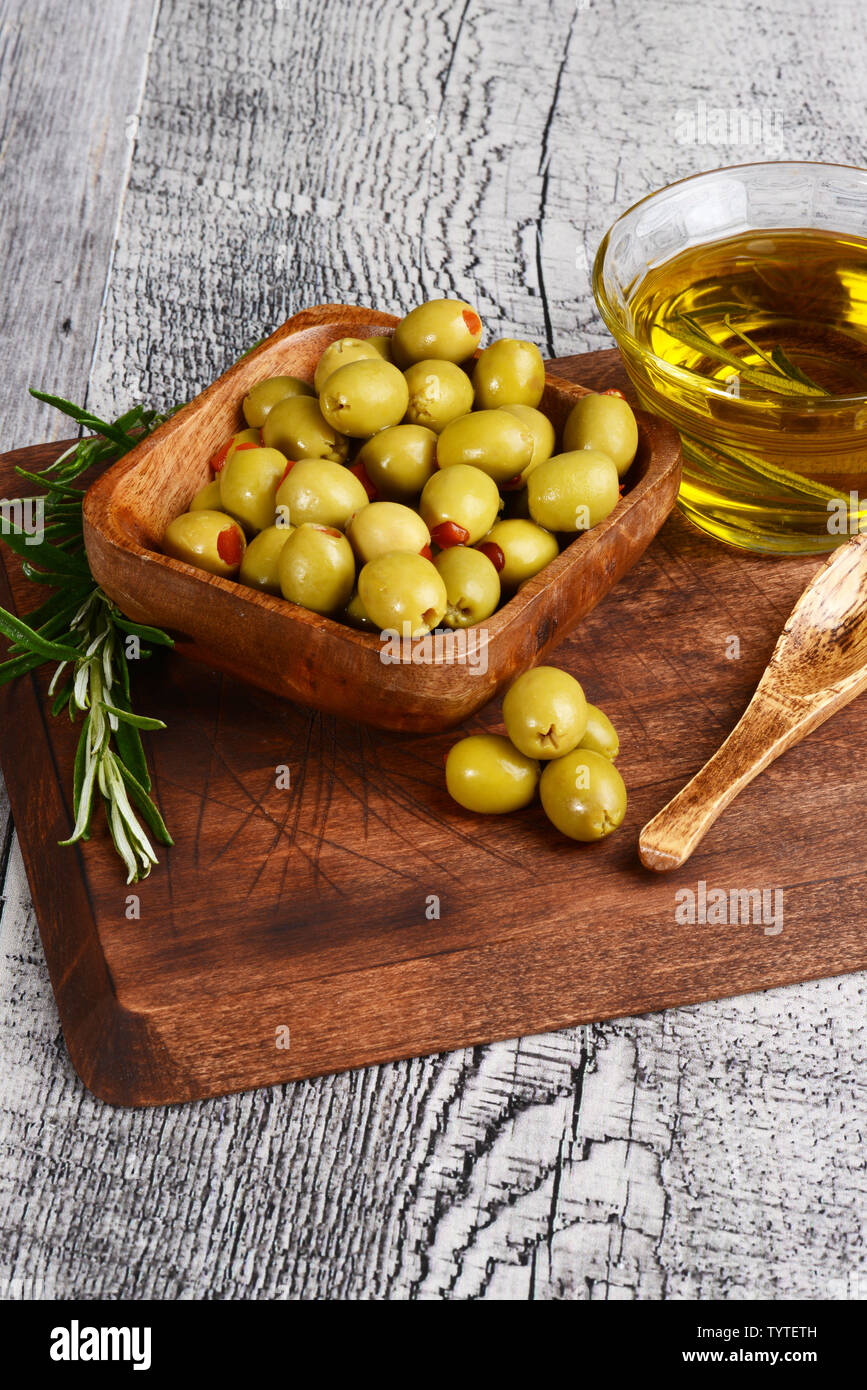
x: 301, y: 655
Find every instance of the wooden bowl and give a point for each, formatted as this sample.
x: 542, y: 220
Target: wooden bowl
x: 301, y: 655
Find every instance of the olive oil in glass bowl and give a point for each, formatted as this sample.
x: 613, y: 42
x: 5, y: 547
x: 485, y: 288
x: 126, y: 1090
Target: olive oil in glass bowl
x: 738, y: 300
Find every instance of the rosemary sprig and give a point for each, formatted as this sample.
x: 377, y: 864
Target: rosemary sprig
x: 80, y: 629
x: 782, y: 377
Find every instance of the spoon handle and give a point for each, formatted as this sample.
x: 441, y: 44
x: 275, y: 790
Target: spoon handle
x: 761, y: 734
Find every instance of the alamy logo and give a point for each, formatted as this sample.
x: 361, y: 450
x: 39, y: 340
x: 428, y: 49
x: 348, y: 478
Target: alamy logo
x: 77, y: 1343
x: 759, y: 907
x: 445, y: 647
x: 26, y: 516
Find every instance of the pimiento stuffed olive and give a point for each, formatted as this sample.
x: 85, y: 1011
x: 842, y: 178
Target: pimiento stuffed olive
x: 261, y: 398
x: 472, y: 586
x: 211, y: 541
x: 525, y: 547
x: 492, y: 440
x: 403, y: 593
x: 207, y: 498
x: 398, y: 461
x: 439, y: 392
x: 459, y: 505
x: 319, y: 491
x: 509, y: 372
x: 297, y: 427
x: 383, y: 527
x: 248, y: 486
x: 340, y: 354
x: 364, y: 396
x: 317, y: 568
x: 260, y: 567
x: 574, y: 491
x: 605, y: 423
x: 448, y: 329
x: 540, y: 427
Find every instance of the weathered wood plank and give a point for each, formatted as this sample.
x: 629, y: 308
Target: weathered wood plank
x: 70, y: 83
x: 377, y: 153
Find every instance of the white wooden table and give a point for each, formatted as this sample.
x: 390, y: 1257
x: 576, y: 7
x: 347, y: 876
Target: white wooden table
x: 178, y: 176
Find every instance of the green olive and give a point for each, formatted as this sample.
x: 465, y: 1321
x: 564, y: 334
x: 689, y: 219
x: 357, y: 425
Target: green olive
x: 383, y: 527
x: 545, y: 712
x: 403, y: 593
x: 600, y: 734
x: 248, y: 486
x: 509, y: 372
x: 298, y: 429
x: 364, y: 397
x: 447, y: 329
x: 356, y: 615
x: 340, y: 354
x: 472, y: 586
x: 526, y: 549
x: 261, y: 398
x: 492, y: 440
x: 605, y: 423
x: 207, y: 498
x: 465, y: 496
x: 260, y: 565
x: 583, y: 794
x: 317, y: 568
x: 485, y: 773
x: 543, y: 432
x: 574, y: 491
x: 438, y: 393
x: 321, y: 492
x: 211, y: 541
x: 382, y: 343
x: 219, y: 459
x: 399, y: 461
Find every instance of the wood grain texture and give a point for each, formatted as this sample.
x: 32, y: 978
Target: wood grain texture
x: 66, y: 141
x: 723, y: 1143
x: 818, y: 665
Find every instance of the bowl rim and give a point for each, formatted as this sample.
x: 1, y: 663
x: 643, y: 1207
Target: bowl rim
x: 315, y: 317
x: 684, y: 375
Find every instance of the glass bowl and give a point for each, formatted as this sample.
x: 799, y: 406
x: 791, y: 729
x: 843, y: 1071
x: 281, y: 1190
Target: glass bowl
x: 769, y: 473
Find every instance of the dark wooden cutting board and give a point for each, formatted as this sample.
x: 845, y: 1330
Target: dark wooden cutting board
x: 303, y: 915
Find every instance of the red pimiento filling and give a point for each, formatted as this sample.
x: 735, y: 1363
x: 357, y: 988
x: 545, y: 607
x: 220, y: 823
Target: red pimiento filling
x: 513, y: 484
x: 426, y: 552
x: 239, y: 447
x: 288, y: 469
x: 361, y: 474
x: 328, y: 530
x: 218, y: 459
x: 494, y: 554
x: 449, y: 533
x: 229, y: 547
x: 613, y: 391
x: 473, y: 322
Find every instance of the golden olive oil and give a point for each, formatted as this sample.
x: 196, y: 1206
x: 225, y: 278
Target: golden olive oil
x: 776, y: 321
x: 803, y: 291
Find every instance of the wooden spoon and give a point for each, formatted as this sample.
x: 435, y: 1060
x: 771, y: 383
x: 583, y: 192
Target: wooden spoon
x: 819, y: 664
